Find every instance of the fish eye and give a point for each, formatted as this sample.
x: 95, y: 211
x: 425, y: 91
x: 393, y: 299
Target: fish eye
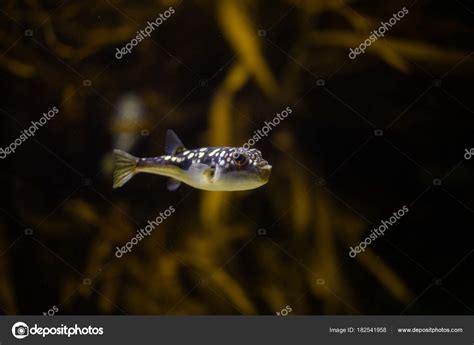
x: 240, y: 159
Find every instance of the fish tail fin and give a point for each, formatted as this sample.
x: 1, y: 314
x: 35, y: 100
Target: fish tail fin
x: 125, y: 167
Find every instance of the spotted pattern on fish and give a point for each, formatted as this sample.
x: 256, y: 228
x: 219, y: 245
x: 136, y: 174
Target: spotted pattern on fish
x: 211, y: 156
x: 209, y: 168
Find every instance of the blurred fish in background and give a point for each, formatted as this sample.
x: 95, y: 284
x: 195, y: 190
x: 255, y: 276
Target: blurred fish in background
x: 127, y: 125
x: 128, y: 121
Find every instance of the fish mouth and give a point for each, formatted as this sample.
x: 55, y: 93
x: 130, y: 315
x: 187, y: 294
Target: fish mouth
x: 264, y: 170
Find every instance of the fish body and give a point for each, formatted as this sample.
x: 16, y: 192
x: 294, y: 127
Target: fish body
x: 207, y: 168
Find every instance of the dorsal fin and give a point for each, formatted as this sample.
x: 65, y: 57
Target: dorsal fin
x: 173, y: 145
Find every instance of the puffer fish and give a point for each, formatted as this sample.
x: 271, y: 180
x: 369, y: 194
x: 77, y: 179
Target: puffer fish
x: 207, y: 168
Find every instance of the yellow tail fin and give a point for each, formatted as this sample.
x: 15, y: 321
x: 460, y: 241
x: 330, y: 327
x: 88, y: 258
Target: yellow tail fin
x: 125, y: 167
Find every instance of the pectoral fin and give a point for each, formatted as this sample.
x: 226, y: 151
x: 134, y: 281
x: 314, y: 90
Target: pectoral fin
x: 216, y: 174
x: 201, y: 172
x: 213, y: 174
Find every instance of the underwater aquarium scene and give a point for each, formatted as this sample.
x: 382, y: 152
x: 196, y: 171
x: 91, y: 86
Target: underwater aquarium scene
x: 281, y: 158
